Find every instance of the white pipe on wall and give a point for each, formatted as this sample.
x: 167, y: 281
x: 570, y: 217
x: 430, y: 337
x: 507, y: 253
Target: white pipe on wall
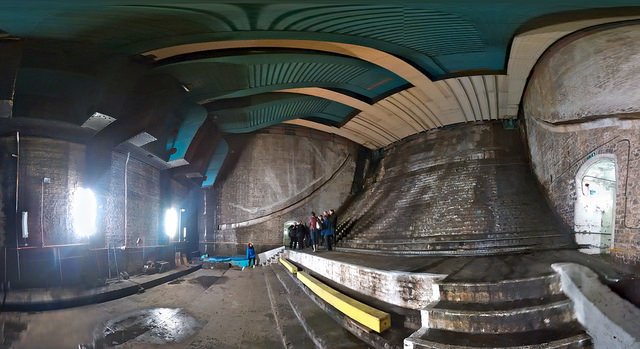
x: 126, y: 189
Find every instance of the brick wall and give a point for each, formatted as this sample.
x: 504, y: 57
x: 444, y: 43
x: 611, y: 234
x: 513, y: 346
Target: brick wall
x: 583, y: 78
x: 63, y: 163
x: 465, y: 187
x: 143, y: 202
x: 278, y: 177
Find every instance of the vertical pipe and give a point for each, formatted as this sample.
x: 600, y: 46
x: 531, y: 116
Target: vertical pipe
x: 126, y: 189
x: 109, y: 259
x: 42, y: 213
x: 57, y: 250
x: 17, y: 193
x: 115, y: 257
x: 204, y: 214
x: 5, y: 270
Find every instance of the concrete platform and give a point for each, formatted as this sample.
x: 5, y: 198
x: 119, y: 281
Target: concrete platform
x: 482, y: 268
x: 472, y: 300
x: 58, y: 298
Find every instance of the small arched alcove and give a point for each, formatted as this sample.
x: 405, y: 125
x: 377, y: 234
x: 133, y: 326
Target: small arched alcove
x: 594, y: 219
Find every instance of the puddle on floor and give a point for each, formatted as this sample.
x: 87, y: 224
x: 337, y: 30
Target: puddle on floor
x: 154, y: 326
x: 10, y: 331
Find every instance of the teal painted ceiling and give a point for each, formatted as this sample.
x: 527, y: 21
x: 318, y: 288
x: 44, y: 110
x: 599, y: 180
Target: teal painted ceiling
x: 82, y: 57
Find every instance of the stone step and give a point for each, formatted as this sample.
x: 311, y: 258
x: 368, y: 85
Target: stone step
x: 318, y: 325
x: 392, y: 338
x: 570, y: 336
x: 461, y: 245
x: 502, y: 291
x: 293, y: 333
x: 506, y: 317
x: 463, y: 229
x: 448, y: 238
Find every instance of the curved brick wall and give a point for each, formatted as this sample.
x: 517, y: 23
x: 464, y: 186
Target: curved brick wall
x: 278, y: 177
x: 591, y: 74
x: 595, y: 73
x: 467, y: 187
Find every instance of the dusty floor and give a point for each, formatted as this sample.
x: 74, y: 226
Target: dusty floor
x: 206, y: 309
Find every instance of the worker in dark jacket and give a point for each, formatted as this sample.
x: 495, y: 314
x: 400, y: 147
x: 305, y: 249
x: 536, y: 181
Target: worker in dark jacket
x: 293, y: 235
x: 333, y: 220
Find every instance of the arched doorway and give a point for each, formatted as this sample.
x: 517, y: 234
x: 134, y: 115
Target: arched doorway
x: 594, y: 221
x: 285, y: 232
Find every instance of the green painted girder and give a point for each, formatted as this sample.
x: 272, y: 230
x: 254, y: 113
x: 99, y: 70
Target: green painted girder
x: 240, y: 75
x: 271, y: 109
x: 192, y: 117
x: 215, y: 163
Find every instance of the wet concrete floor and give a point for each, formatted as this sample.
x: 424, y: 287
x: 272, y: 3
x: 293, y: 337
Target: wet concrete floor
x: 206, y: 309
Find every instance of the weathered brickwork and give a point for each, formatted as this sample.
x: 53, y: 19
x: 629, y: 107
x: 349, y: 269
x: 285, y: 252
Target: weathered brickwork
x: 558, y: 151
x: 594, y: 73
x: 278, y: 178
x: 60, y: 161
x: 467, y: 187
x: 143, y: 202
x: 63, y: 163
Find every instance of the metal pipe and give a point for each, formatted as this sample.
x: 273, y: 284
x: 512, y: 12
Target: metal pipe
x: 115, y: 257
x: 204, y: 214
x: 57, y: 250
x: 126, y: 189
x: 17, y: 195
x: 109, y: 260
x: 5, y: 269
x: 42, y: 213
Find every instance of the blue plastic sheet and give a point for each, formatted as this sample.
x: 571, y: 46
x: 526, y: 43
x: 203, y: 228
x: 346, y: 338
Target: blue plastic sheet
x: 240, y: 261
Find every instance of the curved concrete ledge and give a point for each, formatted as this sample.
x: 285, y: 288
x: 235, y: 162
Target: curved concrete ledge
x: 611, y: 321
x: 404, y: 289
x: 618, y: 121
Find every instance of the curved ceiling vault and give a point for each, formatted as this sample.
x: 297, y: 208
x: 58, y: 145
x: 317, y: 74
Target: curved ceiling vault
x: 371, y: 73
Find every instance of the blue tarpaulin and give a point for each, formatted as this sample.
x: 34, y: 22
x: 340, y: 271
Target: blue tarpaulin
x: 239, y: 260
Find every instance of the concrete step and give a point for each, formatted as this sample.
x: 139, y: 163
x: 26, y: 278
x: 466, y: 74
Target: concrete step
x: 460, y: 252
x: 532, y: 243
x: 404, y: 237
x: 318, y: 325
x: 293, y: 333
x: 506, y: 317
x: 503, y: 291
x: 570, y: 336
x: 457, y: 236
x: 389, y: 339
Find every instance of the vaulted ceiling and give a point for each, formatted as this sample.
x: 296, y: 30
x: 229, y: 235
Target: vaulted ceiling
x: 188, y: 72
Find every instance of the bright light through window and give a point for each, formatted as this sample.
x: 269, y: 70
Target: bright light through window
x: 171, y: 222
x: 84, y: 212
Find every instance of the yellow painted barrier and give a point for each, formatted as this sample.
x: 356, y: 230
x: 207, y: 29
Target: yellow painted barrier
x: 370, y: 317
x: 292, y: 268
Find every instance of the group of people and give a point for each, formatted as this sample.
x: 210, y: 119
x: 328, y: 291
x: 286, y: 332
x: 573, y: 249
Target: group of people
x: 318, y: 229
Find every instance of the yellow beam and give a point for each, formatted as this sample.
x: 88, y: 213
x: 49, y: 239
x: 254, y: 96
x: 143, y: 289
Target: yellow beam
x: 292, y: 268
x: 370, y: 317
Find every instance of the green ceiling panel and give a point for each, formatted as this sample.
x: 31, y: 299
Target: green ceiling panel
x: 71, y: 47
x: 271, y: 109
x: 436, y: 29
x: 241, y: 75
